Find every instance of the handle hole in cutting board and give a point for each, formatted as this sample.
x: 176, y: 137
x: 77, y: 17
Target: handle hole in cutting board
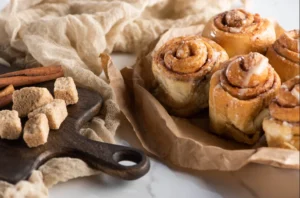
x: 127, y: 158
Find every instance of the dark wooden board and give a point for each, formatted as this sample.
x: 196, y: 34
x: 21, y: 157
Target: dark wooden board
x: 17, y: 161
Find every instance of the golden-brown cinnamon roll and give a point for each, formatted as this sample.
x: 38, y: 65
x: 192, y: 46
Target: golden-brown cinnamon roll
x: 282, y: 128
x: 182, y: 68
x: 239, y: 95
x: 240, y: 32
x: 284, y: 55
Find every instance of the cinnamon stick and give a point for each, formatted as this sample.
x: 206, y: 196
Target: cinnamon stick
x: 5, y: 100
x: 31, y: 76
x: 6, y: 96
x: 8, y: 90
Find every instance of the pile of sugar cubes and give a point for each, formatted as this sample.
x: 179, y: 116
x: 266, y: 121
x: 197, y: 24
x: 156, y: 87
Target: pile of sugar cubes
x: 44, y: 112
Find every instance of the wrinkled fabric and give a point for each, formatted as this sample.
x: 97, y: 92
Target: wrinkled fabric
x: 33, y: 188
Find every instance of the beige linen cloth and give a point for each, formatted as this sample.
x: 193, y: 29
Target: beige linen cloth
x: 73, y: 33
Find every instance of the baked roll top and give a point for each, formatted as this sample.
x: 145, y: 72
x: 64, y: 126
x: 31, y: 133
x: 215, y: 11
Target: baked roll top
x: 246, y: 77
x: 182, y: 68
x: 240, y: 32
x: 284, y: 55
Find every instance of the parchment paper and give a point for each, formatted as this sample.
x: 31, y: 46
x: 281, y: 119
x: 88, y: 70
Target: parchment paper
x: 187, y: 143
x: 73, y: 33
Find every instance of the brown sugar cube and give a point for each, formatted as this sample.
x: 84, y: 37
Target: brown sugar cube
x: 10, y: 125
x: 28, y: 99
x: 36, y: 130
x: 65, y: 89
x: 56, y: 112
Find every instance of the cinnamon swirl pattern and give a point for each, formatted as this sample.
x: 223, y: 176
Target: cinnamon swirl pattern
x: 182, y: 68
x: 240, y: 32
x: 282, y: 128
x: 239, y: 95
x: 284, y: 55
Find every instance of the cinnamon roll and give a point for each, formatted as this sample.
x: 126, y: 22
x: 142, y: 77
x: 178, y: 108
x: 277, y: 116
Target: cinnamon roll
x: 282, y: 128
x: 182, y: 68
x: 284, y: 55
x: 239, y: 95
x: 240, y: 32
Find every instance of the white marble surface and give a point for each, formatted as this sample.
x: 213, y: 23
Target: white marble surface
x: 3, y: 3
x: 165, y: 182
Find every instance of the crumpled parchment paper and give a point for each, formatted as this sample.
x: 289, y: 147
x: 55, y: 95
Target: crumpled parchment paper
x: 187, y: 143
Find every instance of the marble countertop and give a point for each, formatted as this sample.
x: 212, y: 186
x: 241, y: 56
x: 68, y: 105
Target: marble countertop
x: 167, y: 182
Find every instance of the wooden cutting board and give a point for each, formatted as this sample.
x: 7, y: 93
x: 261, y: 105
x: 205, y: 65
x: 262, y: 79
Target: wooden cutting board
x: 17, y: 161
